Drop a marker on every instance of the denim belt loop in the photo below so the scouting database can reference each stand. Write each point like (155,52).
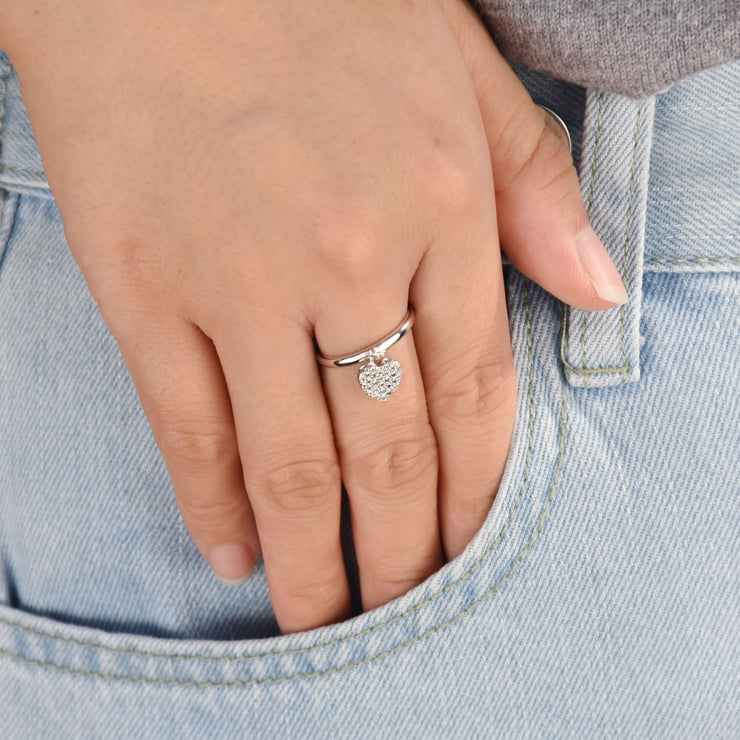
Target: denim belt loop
(602,348)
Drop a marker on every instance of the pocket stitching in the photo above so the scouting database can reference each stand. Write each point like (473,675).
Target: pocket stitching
(679,260)
(2,112)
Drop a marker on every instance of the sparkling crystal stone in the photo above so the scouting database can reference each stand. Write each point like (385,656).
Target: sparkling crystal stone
(379,380)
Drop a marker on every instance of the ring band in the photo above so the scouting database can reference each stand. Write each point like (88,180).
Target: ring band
(561,123)
(373,350)
(380,376)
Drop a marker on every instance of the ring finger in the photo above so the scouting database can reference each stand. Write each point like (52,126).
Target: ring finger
(387,454)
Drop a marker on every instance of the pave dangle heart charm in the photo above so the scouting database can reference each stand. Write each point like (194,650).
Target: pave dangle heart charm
(380,377)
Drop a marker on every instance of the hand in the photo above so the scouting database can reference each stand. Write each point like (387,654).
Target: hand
(237,179)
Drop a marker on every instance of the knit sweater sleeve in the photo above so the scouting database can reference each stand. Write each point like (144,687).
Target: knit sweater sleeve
(634,47)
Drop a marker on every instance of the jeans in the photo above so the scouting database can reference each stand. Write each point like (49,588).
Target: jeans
(600,598)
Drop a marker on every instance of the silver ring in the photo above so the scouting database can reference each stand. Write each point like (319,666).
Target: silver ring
(380,376)
(560,122)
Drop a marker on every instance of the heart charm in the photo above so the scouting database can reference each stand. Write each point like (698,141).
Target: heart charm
(380,380)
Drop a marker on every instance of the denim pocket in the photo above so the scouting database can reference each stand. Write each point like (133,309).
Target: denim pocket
(435,611)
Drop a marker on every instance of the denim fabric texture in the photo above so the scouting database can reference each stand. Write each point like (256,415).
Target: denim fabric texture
(601,598)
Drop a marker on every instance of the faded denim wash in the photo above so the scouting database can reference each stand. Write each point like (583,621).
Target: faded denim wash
(600,599)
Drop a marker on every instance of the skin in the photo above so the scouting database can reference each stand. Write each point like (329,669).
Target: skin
(237,179)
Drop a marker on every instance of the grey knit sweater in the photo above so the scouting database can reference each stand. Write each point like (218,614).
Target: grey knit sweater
(635,47)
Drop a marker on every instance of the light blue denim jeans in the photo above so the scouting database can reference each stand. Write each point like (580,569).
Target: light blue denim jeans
(600,599)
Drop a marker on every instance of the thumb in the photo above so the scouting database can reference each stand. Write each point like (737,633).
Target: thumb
(543,225)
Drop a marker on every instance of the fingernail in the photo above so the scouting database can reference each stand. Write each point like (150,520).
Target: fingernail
(232,563)
(600,268)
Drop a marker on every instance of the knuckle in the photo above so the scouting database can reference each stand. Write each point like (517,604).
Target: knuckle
(524,156)
(482,391)
(398,467)
(195,448)
(398,580)
(127,281)
(212,516)
(473,509)
(349,240)
(309,595)
(130,264)
(532,146)
(314,602)
(300,485)
(517,132)
(454,181)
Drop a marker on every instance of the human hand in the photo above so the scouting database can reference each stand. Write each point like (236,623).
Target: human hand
(236,180)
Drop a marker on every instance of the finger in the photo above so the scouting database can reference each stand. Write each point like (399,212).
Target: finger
(290,468)
(464,350)
(183,393)
(387,453)
(543,224)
